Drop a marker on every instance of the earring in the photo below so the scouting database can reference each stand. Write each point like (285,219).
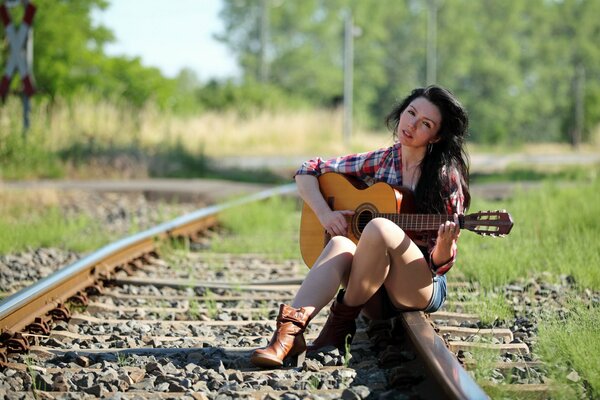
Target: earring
(429,148)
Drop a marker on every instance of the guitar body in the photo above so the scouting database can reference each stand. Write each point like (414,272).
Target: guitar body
(343,193)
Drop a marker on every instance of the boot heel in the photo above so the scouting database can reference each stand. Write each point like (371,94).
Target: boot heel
(298,359)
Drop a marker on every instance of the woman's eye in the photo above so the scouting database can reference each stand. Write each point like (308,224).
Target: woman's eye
(411,112)
(427,124)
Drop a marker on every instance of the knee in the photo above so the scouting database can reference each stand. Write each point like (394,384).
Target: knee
(379,229)
(341,244)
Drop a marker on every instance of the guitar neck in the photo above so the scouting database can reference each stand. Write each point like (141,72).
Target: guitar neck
(418,222)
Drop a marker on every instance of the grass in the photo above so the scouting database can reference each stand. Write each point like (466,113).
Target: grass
(555,231)
(174,252)
(89,138)
(33,374)
(496,308)
(34,219)
(269,227)
(555,236)
(571,341)
(194,309)
(211,304)
(524,173)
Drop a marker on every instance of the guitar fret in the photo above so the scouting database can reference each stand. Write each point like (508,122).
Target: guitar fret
(416,222)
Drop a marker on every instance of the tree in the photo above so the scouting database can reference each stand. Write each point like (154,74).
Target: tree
(69,58)
(526,69)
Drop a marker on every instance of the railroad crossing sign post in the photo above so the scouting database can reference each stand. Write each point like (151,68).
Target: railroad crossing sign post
(20,40)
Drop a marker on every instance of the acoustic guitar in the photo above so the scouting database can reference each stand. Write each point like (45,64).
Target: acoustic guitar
(386,201)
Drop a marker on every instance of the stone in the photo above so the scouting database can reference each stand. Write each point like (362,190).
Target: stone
(97,390)
(85,381)
(311,365)
(236,376)
(136,375)
(43,382)
(573,376)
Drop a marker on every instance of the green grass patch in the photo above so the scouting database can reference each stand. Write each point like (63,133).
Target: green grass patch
(570,343)
(35,218)
(27,156)
(28,225)
(269,227)
(522,173)
(556,230)
(174,251)
(555,235)
(496,308)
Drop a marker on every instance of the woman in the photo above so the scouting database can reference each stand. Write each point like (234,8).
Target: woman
(386,272)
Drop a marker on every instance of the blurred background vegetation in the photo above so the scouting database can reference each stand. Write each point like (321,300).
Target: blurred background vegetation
(527,70)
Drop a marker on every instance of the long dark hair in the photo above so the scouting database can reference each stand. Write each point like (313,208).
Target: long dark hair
(447,153)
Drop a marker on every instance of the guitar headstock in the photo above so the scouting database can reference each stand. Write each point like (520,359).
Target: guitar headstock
(488,223)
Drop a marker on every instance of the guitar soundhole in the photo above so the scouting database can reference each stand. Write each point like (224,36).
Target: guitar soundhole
(362,216)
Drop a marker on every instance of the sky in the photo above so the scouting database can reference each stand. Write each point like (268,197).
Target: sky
(170,35)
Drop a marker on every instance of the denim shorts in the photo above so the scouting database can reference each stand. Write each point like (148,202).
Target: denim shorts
(439,294)
(435,303)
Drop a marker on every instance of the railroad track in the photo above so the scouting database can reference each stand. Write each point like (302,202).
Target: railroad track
(125,321)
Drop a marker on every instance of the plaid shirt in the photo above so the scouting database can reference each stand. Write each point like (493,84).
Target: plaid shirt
(385,165)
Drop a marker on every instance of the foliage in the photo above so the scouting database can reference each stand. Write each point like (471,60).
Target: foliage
(245,98)
(513,63)
(23,157)
(522,68)
(69,58)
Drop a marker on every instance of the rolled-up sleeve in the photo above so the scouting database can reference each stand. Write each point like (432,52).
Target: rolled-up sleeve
(360,165)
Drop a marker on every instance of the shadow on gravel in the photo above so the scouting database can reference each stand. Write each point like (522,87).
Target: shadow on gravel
(382,365)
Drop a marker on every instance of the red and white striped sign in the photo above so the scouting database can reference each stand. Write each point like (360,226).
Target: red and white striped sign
(17,40)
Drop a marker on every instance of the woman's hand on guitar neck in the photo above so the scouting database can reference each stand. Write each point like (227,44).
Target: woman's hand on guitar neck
(335,222)
(447,236)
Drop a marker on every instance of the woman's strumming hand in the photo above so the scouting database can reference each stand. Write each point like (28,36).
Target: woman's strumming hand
(335,222)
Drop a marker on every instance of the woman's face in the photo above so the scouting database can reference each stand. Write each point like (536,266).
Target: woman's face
(419,123)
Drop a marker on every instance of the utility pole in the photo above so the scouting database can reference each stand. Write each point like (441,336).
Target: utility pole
(264,41)
(432,42)
(579,106)
(348,75)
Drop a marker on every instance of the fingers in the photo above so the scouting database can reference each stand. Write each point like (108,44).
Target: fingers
(450,229)
(336,229)
(338,225)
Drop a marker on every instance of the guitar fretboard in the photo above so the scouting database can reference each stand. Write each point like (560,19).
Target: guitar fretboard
(417,222)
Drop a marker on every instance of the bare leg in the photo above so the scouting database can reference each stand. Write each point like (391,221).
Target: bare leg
(386,256)
(329,271)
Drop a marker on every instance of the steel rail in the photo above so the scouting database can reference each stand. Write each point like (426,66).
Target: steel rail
(454,379)
(20,309)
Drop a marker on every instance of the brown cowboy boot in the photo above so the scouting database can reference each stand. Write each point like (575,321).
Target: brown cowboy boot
(340,323)
(288,339)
